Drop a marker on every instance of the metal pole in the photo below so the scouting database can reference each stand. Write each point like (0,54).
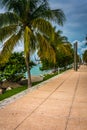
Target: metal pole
(75,56)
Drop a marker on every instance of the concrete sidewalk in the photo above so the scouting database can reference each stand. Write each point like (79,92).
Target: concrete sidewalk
(59,104)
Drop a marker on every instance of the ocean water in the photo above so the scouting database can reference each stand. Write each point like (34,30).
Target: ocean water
(36,71)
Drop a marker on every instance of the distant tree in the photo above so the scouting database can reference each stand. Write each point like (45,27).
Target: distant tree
(15,68)
(85,56)
(65,55)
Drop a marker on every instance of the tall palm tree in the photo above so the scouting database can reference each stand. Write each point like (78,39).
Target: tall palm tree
(29,21)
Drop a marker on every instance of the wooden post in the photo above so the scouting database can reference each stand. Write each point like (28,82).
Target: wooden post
(75,56)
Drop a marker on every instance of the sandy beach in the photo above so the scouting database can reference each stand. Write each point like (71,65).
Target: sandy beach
(36,78)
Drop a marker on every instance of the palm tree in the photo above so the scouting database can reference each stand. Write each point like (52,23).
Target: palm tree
(62,49)
(28,21)
(56,41)
(85,57)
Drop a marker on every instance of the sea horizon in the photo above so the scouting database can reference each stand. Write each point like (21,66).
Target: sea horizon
(35,71)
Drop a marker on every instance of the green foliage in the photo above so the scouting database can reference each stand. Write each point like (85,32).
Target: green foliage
(63,58)
(46,64)
(23,20)
(48,76)
(64,53)
(15,68)
(85,56)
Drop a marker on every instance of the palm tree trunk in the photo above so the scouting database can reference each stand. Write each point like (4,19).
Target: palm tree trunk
(28,71)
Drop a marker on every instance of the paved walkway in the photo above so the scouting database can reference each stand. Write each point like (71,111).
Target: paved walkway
(59,104)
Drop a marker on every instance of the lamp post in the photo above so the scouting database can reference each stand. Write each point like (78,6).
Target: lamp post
(75,56)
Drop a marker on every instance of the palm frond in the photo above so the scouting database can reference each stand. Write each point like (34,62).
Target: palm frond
(8,18)
(64,50)
(9,46)
(43,26)
(7,31)
(58,16)
(58,39)
(33,5)
(19,7)
(45,49)
(39,11)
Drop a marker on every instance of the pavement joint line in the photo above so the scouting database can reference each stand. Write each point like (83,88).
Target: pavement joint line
(42,102)
(76,87)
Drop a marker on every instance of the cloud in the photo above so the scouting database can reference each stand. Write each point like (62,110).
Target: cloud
(81,46)
(76,15)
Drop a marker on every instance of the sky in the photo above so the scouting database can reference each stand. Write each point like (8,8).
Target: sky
(76,17)
(75,27)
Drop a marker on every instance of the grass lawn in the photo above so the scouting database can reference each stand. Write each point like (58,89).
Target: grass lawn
(12,92)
